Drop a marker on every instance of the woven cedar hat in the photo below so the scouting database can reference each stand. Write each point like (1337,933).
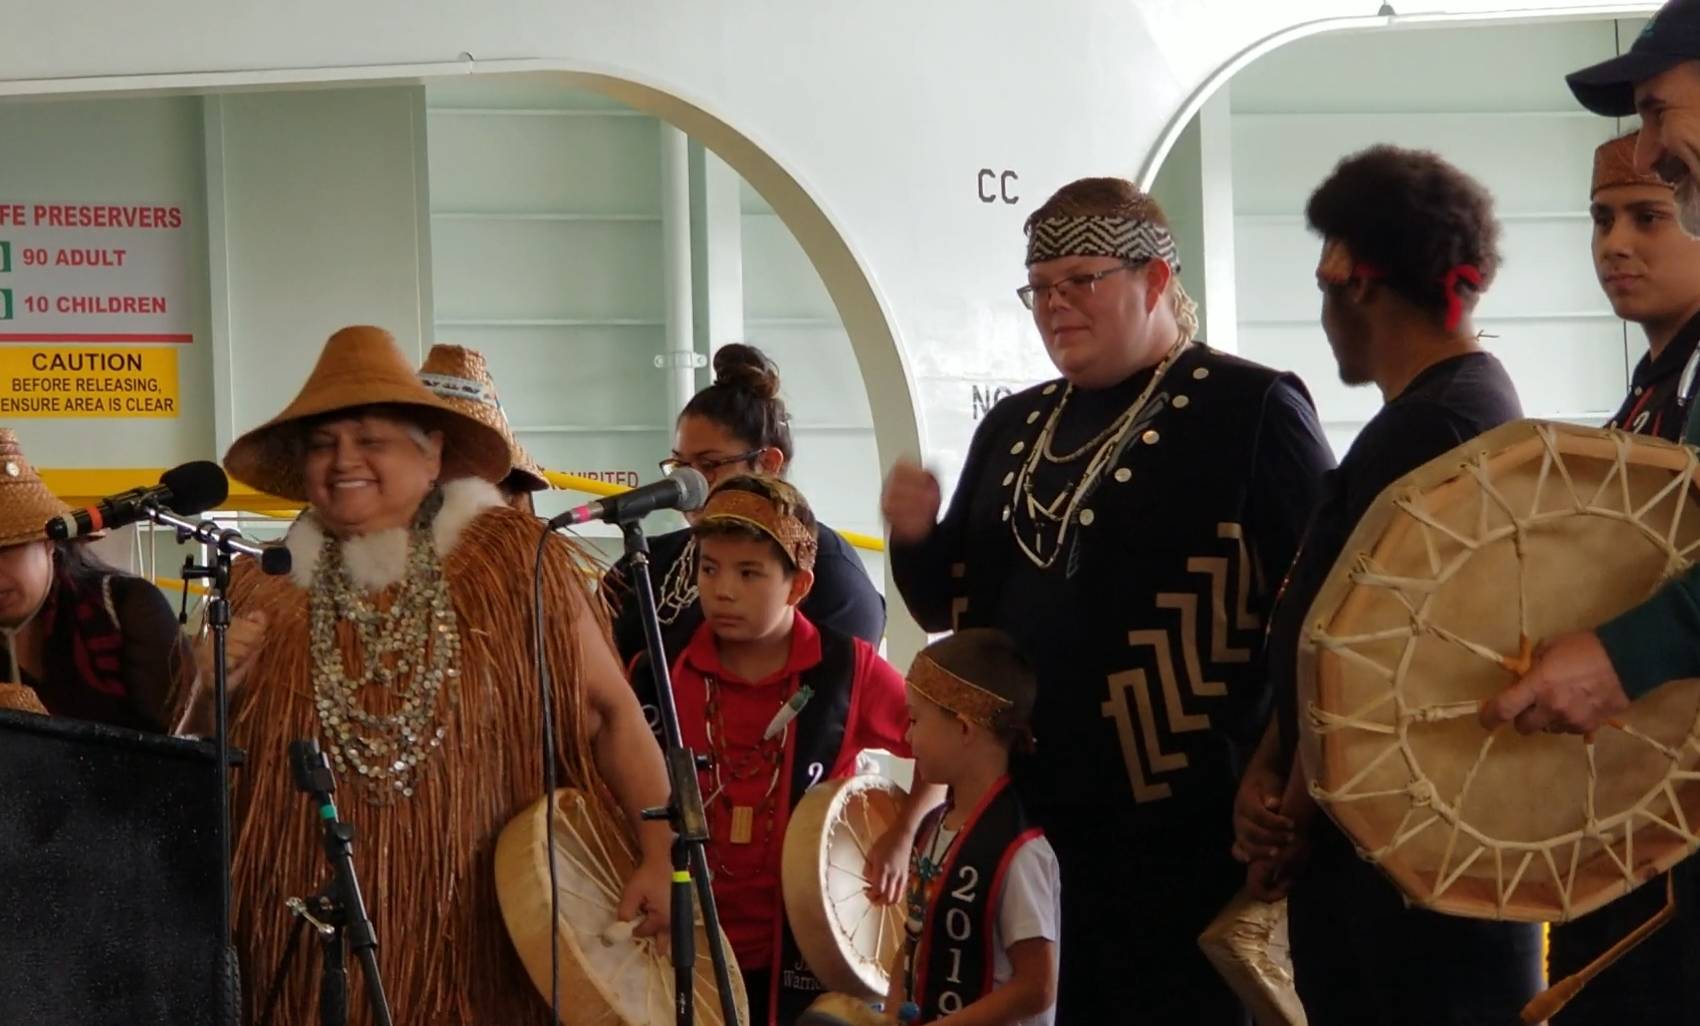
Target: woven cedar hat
(1614,164)
(25,503)
(460,377)
(361,366)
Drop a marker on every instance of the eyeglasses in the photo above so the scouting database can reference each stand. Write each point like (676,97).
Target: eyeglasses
(706,465)
(1033,295)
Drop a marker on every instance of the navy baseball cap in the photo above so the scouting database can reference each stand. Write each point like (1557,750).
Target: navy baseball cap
(1671,37)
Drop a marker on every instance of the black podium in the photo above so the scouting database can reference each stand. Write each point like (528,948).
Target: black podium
(109,877)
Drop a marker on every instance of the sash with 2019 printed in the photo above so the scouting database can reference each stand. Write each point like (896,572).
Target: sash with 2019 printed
(951,961)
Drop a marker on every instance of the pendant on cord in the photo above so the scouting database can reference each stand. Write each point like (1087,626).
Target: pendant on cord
(743,824)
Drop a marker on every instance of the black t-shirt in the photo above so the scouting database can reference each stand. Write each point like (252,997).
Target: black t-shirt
(843,598)
(1445,406)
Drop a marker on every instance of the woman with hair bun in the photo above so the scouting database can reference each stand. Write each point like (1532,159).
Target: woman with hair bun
(738,425)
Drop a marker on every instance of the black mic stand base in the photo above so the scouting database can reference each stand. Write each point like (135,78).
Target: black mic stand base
(341,918)
(685,812)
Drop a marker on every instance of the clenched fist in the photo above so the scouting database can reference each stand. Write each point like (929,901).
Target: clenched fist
(910,503)
(241,642)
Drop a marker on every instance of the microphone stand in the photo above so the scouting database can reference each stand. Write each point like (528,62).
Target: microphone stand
(684,810)
(224,543)
(340,914)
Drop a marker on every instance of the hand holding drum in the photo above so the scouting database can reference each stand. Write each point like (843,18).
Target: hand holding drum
(848,937)
(614,977)
(1533,530)
(1571,687)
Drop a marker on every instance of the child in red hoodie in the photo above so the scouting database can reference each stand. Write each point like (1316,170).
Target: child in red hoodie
(778,705)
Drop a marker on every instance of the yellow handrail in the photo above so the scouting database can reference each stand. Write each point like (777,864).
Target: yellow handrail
(177,584)
(588,485)
(87,487)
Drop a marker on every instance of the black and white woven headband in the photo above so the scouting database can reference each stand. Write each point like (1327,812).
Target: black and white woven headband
(1124,238)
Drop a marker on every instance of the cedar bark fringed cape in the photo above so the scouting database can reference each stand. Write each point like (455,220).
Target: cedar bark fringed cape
(426,863)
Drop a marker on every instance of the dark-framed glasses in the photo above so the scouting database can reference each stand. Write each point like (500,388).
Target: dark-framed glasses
(707,465)
(1033,295)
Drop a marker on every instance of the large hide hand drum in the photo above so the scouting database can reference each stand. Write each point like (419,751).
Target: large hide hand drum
(620,982)
(1529,531)
(847,938)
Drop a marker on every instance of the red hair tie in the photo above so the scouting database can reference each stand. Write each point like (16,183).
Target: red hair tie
(1449,284)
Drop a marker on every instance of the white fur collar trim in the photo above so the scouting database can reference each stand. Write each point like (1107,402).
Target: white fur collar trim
(376,561)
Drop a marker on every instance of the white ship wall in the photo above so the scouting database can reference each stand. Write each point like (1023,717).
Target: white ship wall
(901,143)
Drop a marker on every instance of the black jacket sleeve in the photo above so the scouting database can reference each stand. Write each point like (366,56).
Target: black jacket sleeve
(923,570)
(1292,455)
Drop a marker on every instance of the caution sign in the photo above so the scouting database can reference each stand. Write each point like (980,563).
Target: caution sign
(81,382)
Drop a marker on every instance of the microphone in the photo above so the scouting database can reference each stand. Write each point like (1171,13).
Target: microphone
(312,771)
(685,489)
(189,489)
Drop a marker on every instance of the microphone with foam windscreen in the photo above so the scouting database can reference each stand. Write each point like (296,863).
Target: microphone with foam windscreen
(187,490)
(684,489)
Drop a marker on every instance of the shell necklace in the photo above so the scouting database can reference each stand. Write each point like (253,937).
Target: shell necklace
(1026,512)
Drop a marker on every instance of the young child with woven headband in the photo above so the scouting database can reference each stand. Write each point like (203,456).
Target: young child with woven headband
(982,877)
(764,508)
(778,705)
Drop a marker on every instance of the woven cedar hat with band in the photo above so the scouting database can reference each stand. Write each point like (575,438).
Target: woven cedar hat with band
(1614,165)
(461,377)
(25,503)
(361,366)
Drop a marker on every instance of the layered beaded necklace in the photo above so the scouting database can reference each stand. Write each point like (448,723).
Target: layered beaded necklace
(410,648)
(679,587)
(1027,514)
(767,757)
(928,865)
(924,870)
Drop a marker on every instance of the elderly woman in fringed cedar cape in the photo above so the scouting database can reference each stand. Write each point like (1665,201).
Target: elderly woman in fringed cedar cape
(400,641)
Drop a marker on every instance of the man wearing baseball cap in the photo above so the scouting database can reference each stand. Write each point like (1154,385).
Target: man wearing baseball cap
(1581,680)
(1658,78)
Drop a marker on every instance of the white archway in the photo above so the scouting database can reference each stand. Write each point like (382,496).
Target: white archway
(1239,61)
(870,328)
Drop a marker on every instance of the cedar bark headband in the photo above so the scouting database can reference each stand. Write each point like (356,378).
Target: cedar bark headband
(962,697)
(752,510)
